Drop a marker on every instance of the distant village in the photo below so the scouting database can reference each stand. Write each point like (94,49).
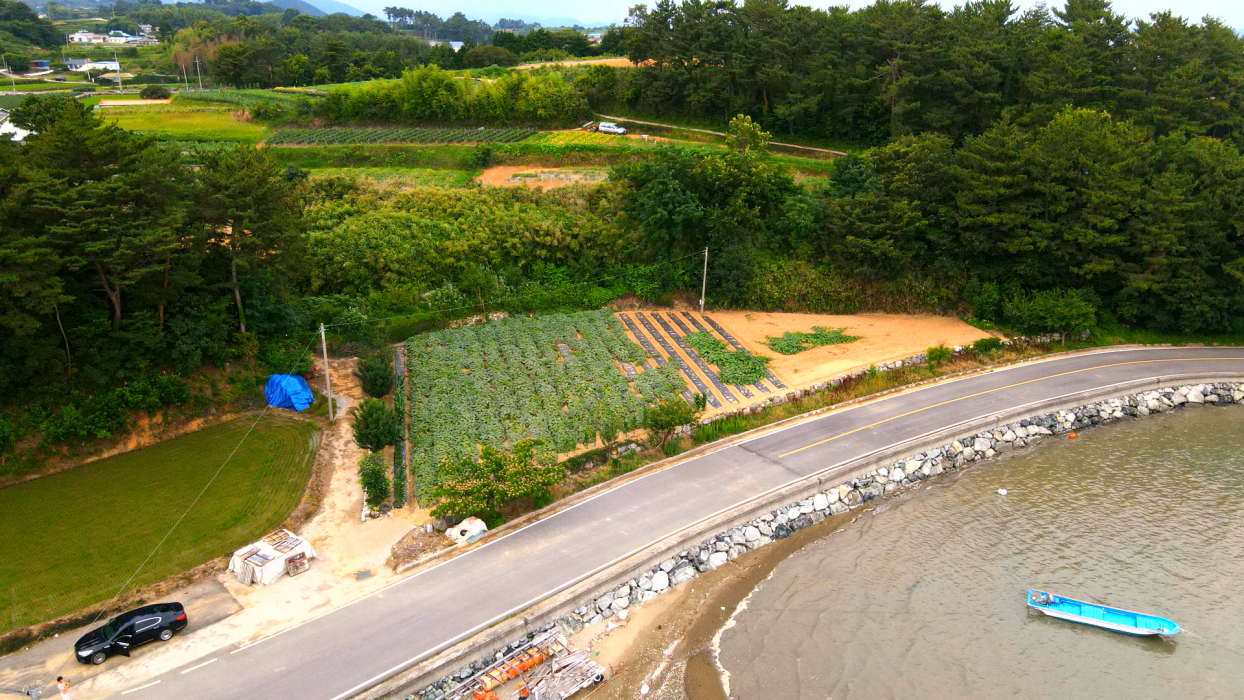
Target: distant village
(115,37)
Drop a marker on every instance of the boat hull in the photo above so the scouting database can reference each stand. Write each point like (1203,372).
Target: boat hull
(1101,616)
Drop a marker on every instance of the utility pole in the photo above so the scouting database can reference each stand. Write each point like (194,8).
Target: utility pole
(183,76)
(704,281)
(117,62)
(328,387)
(197,73)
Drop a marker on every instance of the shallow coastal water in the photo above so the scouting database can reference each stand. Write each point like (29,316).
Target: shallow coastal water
(924,597)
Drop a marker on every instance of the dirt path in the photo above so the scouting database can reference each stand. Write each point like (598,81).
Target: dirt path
(720,133)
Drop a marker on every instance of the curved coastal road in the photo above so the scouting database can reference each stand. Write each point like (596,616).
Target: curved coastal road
(357,646)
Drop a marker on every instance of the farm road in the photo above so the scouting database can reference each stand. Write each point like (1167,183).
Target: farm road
(354,647)
(719,133)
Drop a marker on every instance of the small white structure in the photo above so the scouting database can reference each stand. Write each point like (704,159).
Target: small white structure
(266,560)
(84,37)
(94,65)
(466,531)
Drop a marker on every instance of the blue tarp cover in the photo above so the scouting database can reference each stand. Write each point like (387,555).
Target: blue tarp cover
(288,391)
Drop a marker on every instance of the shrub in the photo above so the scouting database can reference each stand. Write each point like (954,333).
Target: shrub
(662,418)
(155,92)
(483,487)
(8,436)
(265,111)
(938,355)
(984,345)
(792,342)
(736,367)
(376,376)
(984,299)
(375,426)
(374,478)
(484,56)
(1051,311)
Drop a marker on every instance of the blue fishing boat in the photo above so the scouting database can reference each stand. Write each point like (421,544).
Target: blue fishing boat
(1113,619)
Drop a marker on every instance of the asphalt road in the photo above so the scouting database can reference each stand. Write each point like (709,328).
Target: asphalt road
(349,649)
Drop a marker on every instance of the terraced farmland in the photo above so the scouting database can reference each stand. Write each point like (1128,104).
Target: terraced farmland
(330,136)
(562,378)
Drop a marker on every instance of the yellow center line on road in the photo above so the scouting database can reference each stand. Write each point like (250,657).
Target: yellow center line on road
(1008,386)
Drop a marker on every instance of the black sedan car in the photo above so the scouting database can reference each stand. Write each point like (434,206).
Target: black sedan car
(126,631)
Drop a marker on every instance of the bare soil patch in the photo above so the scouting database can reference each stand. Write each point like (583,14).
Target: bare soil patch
(533,177)
(885,338)
(615,62)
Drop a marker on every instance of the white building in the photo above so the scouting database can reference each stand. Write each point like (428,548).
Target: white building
(83,66)
(84,37)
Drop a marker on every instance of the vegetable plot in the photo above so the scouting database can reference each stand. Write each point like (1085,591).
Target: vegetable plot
(735,367)
(793,342)
(554,378)
(327,136)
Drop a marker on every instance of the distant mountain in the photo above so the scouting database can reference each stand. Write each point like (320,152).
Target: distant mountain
(302,6)
(333,7)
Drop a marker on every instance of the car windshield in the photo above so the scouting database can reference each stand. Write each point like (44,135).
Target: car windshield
(110,628)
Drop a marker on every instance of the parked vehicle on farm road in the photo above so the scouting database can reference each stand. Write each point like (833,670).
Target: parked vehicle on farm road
(610,128)
(128,630)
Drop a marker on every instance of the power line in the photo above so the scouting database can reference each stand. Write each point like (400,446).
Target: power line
(190,507)
(499,300)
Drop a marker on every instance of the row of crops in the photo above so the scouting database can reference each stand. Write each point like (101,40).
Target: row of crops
(329,136)
(497,383)
(241,98)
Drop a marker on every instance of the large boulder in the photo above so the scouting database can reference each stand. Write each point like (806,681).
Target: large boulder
(682,574)
(660,581)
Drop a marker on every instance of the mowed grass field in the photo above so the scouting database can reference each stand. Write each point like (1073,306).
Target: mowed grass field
(191,126)
(71,539)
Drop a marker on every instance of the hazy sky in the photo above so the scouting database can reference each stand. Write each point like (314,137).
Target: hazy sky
(607,11)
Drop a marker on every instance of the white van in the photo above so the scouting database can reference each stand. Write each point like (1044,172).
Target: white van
(610,128)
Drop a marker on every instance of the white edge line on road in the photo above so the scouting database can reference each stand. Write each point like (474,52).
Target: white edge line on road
(141,687)
(503,616)
(205,663)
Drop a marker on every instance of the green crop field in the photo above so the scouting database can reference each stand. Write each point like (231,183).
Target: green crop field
(332,136)
(500,382)
(240,98)
(71,539)
(434,177)
(170,123)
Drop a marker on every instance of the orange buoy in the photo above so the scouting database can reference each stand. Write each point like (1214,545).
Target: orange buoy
(1071,436)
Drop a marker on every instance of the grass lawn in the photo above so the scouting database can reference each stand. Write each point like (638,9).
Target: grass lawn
(71,539)
(202,126)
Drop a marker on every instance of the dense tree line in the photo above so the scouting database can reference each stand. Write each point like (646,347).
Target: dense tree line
(1102,214)
(427,25)
(120,264)
(899,67)
(296,49)
(24,25)
(431,95)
